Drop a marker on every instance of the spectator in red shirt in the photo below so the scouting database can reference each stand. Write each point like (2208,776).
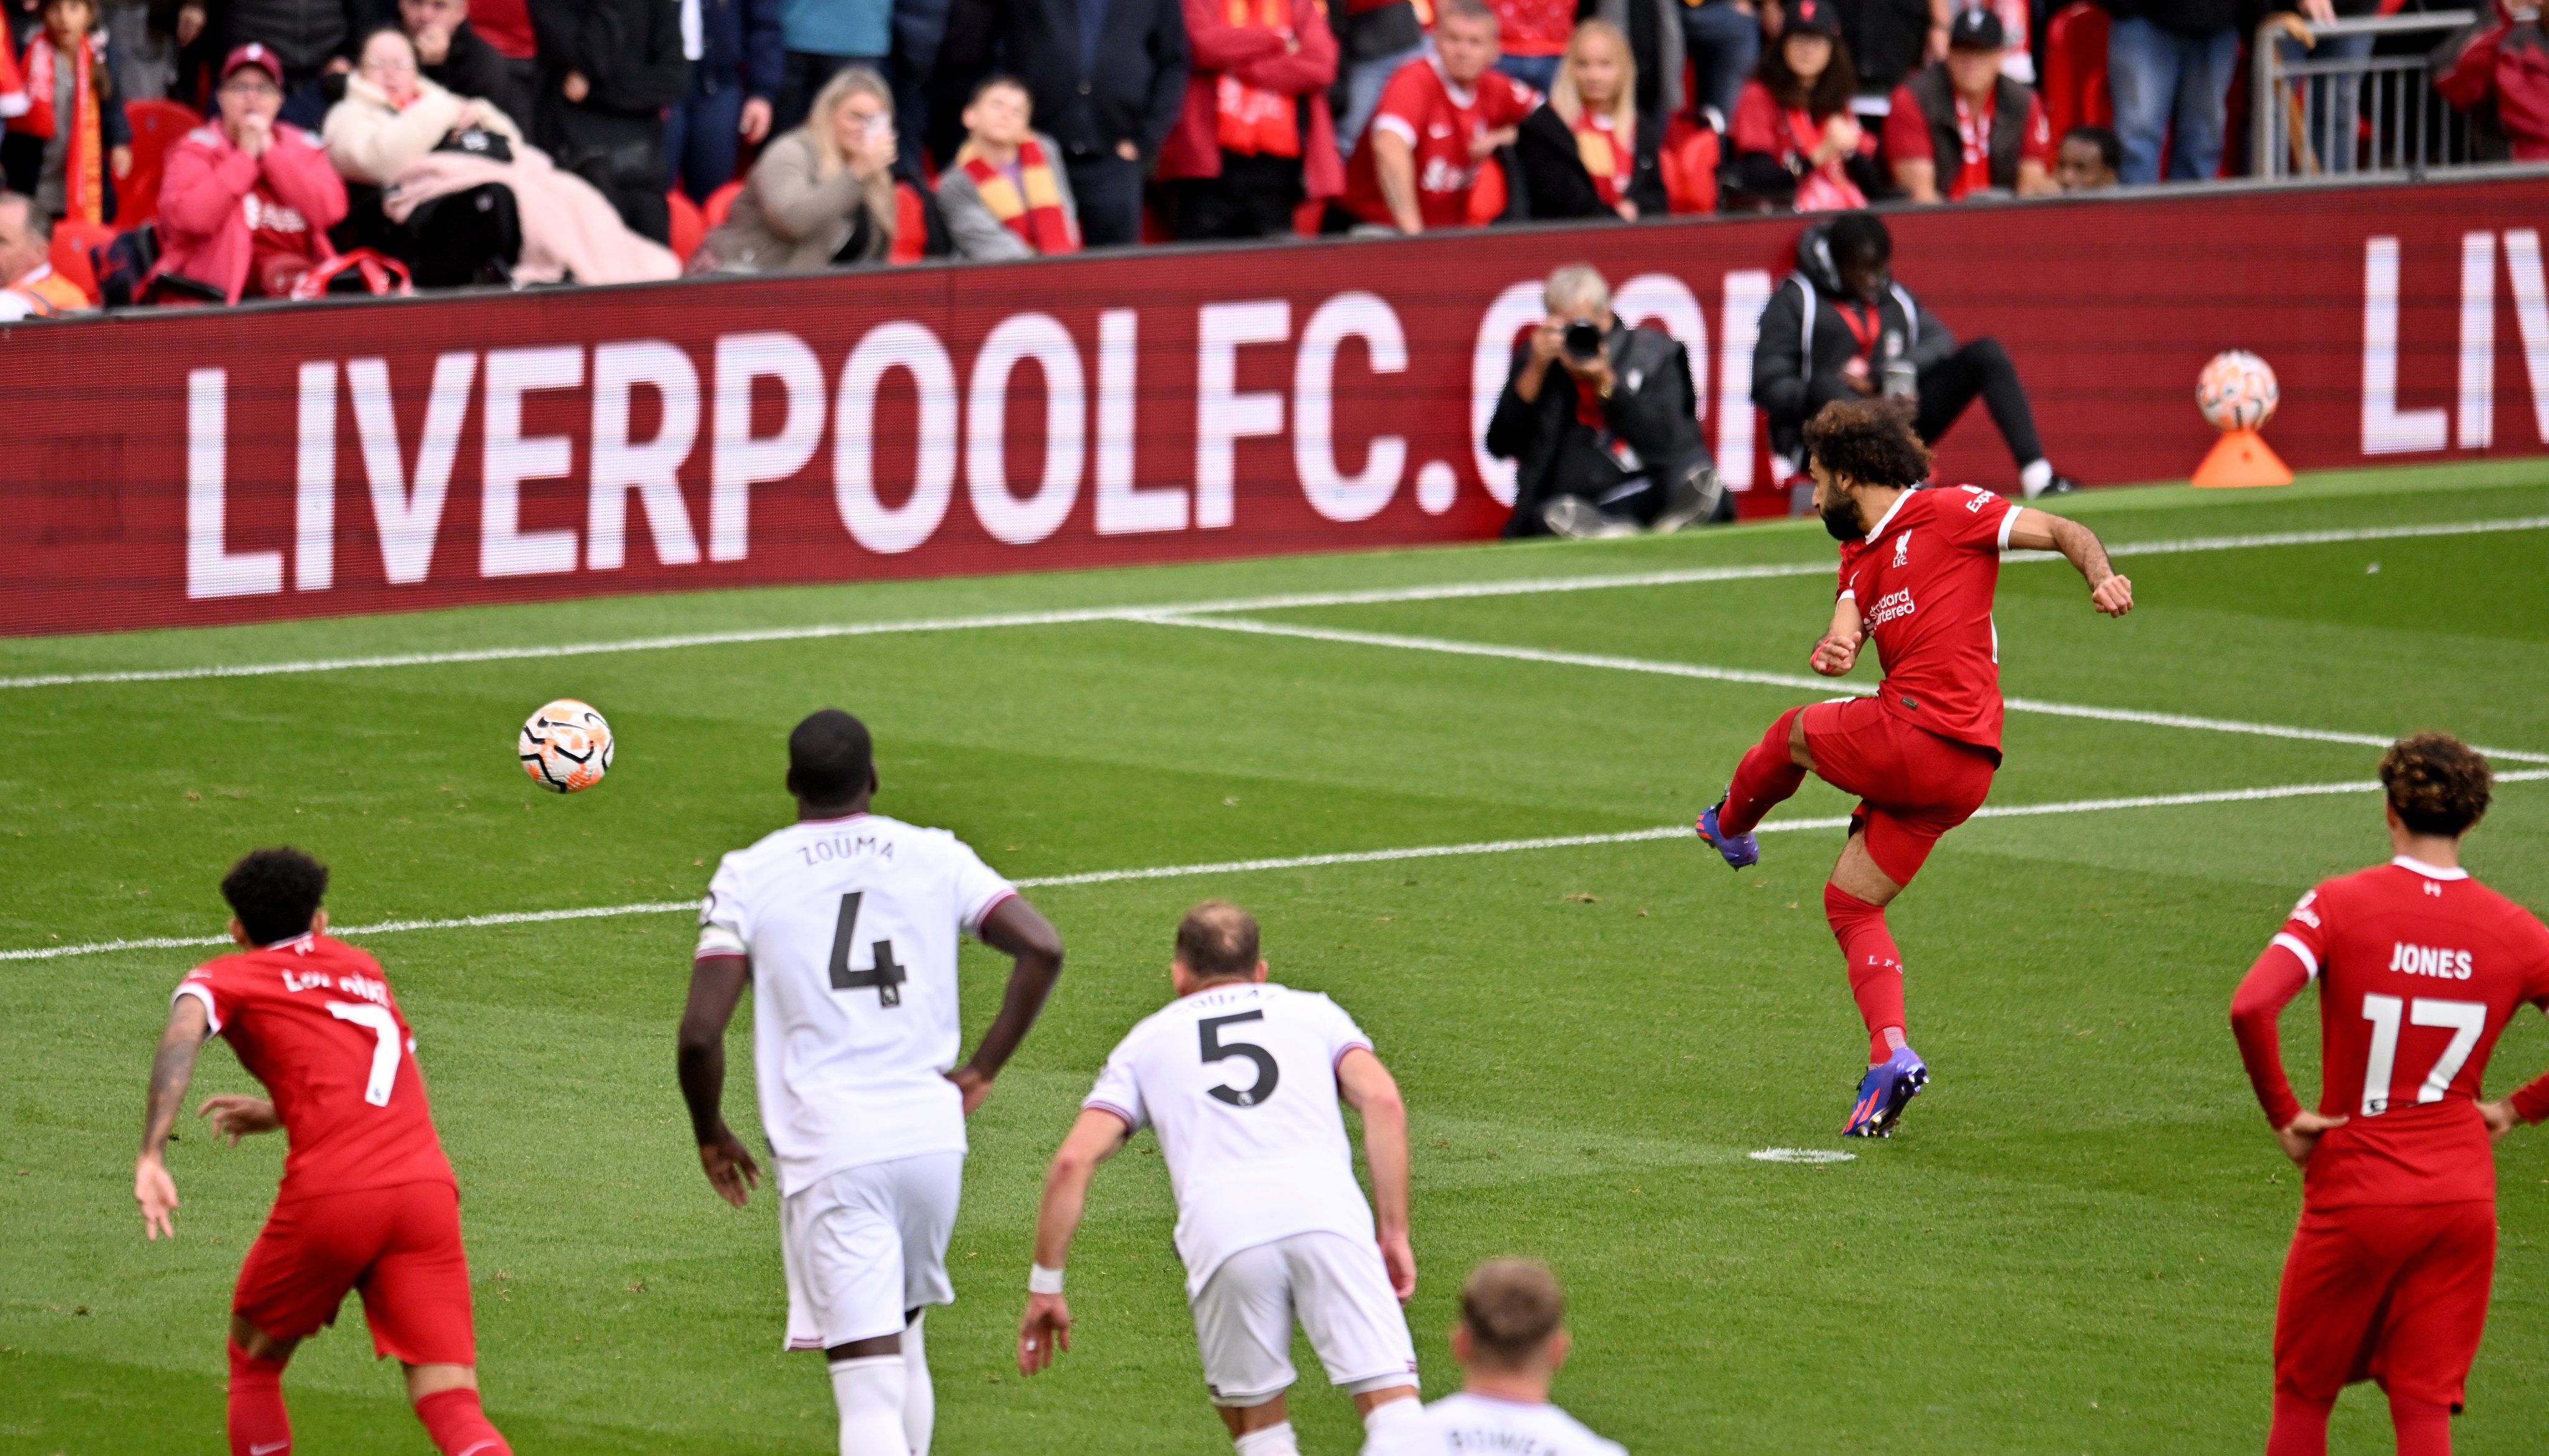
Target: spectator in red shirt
(1963,126)
(1794,136)
(507,26)
(245,203)
(1532,38)
(1255,138)
(1439,119)
(2505,63)
(1589,152)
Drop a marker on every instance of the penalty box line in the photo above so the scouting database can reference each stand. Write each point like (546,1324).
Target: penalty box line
(1824,687)
(1294,861)
(1439,592)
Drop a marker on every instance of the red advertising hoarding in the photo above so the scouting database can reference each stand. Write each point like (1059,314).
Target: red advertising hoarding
(1163,405)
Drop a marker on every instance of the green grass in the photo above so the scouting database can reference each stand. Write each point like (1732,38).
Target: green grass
(2072,1248)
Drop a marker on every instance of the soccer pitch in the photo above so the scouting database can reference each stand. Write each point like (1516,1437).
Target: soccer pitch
(2073,1244)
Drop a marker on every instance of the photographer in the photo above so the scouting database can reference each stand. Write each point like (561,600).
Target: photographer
(1602,422)
(1841,328)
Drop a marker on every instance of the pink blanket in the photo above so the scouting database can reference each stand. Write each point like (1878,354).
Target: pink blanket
(568,228)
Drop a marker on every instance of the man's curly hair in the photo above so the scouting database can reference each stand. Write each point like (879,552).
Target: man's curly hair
(1870,441)
(2437,784)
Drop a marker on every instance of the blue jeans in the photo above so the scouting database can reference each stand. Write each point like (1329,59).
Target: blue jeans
(2160,78)
(699,135)
(1725,43)
(1365,82)
(2332,104)
(1539,72)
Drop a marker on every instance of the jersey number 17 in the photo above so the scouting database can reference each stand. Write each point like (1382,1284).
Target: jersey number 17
(2467,1019)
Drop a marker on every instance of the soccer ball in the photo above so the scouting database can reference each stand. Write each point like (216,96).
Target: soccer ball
(566,746)
(2236,390)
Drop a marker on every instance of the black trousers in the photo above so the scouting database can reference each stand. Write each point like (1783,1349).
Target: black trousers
(1583,467)
(1980,367)
(1107,191)
(1254,197)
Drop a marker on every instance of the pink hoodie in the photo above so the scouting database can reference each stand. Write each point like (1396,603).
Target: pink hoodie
(204,231)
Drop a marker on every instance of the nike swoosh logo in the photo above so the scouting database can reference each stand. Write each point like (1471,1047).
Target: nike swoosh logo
(269,1448)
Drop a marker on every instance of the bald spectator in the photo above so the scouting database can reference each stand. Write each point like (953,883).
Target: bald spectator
(2088,159)
(29,285)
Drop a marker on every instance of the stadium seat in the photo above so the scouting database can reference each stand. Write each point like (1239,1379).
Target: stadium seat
(720,203)
(2075,69)
(688,226)
(71,254)
(157,126)
(1690,157)
(1488,197)
(910,226)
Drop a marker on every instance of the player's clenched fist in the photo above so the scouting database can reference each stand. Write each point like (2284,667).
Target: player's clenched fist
(1835,654)
(1046,1327)
(2114,595)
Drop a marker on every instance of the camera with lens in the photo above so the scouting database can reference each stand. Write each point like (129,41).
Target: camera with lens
(1583,340)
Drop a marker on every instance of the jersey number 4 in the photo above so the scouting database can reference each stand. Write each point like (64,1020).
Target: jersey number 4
(2467,1019)
(881,973)
(1216,1049)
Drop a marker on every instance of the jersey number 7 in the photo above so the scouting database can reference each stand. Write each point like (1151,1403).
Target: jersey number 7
(1208,1030)
(881,973)
(2467,1019)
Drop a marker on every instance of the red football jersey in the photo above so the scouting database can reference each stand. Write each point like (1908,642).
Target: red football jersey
(2418,970)
(1924,581)
(1437,120)
(314,1020)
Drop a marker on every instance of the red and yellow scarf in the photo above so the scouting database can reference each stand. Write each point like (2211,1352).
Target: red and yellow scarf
(1257,122)
(1035,216)
(84,156)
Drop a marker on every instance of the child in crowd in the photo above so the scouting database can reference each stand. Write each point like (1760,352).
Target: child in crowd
(69,144)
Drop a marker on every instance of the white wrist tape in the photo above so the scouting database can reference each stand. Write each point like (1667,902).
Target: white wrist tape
(1041,1280)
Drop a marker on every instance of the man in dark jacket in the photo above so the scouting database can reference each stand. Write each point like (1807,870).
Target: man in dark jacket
(1601,422)
(313,38)
(1109,79)
(2169,64)
(734,86)
(608,71)
(454,55)
(1961,128)
(1842,329)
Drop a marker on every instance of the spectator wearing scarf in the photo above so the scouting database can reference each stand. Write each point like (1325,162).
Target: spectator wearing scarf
(1255,138)
(1589,151)
(71,141)
(1004,197)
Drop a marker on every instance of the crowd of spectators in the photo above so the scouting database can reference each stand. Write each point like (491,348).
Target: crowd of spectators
(447,143)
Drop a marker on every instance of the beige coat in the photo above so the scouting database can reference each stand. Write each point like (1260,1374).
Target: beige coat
(788,219)
(370,141)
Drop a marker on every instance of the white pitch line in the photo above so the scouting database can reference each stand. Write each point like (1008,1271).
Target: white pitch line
(1440,591)
(1826,686)
(1298,862)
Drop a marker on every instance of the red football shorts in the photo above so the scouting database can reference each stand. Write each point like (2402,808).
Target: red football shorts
(2396,1294)
(399,1247)
(1913,785)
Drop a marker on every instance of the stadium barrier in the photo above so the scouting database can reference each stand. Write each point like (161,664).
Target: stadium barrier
(217,466)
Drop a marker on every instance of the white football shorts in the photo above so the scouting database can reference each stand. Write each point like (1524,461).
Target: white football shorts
(1339,1290)
(866,1245)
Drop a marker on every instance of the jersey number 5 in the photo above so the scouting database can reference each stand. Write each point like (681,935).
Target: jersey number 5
(2466,1019)
(1217,1049)
(385,1044)
(881,973)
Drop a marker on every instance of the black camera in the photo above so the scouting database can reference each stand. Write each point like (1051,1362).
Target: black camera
(1583,340)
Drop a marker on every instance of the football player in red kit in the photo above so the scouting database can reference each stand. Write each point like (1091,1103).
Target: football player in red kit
(1917,570)
(2418,968)
(368,1202)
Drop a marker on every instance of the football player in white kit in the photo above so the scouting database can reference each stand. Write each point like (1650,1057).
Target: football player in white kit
(1242,1079)
(1510,1341)
(845,925)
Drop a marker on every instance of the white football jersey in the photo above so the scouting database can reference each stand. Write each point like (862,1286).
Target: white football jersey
(1241,1082)
(1463,1424)
(850,925)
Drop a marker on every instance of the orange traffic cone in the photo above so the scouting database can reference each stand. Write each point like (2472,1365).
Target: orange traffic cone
(2241,458)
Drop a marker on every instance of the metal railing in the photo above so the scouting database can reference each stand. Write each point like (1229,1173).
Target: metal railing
(2375,112)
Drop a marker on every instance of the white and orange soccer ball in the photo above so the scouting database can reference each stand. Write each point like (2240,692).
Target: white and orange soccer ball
(2236,390)
(566,746)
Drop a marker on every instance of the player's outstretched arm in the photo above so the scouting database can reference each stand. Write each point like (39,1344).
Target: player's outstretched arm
(1019,931)
(1046,1326)
(1838,651)
(717,986)
(172,1067)
(1368,1088)
(2037,530)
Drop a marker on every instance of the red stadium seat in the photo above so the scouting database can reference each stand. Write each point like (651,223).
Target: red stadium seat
(70,253)
(1488,197)
(1690,157)
(157,126)
(910,226)
(720,203)
(2075,69)
(688,226)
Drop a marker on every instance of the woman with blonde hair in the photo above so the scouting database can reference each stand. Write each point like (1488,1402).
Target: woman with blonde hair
(822,195)
(1587,151)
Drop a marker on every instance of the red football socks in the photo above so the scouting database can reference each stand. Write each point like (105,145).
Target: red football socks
(1876,968)
(2301,1426)
(458,1425)
(1764,777)
(259,1423)
(2424,1428)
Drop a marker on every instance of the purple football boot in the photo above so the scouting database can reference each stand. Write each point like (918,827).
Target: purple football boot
(1740,850)
(1883,1091)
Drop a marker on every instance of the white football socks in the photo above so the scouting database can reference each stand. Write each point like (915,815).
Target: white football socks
(870,1391)
(2035,475)
(1380,1418)
(1270,1440)
(919,1398)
